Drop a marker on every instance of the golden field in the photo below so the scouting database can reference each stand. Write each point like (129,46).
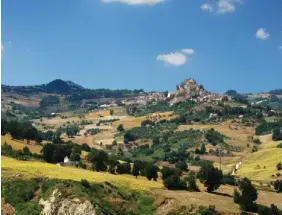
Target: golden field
(33,169)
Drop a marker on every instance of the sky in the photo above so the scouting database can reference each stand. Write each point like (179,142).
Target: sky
(144,44)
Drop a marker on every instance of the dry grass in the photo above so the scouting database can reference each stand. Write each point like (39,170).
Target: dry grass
(96,114)
(19,144)
(57,121)
(31,169)
(131,122)
(261,165)
(222,198)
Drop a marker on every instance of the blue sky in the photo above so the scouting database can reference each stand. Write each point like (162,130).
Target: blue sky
(149,44)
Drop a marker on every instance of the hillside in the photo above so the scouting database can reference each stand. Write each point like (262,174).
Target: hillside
(106,151)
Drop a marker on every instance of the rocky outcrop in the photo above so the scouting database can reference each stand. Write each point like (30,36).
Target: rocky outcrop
(56,204)
(188,89)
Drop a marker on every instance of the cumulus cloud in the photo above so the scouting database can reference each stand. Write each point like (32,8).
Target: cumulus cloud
(262,34)
(188,51)
(135,2)
(221,6)
(226,6)
(207,7)
(177,59)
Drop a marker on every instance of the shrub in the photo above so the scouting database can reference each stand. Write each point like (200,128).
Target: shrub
(236,196)
(210,176)
(248,195)
(191,180)
(123,168)
(182,166)
(85,183)
(174,182)
(278,186)
(120,128)
(279,166)
(152,172)
(28,208)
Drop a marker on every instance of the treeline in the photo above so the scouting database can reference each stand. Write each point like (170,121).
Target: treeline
(77,96)
(20,130)
(55,153)
(268,127)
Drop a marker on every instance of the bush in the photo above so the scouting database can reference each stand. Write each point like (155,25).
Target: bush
(174,182)
(278,186)
(123,168)
(229,179)
(279,166)
(214,137)
(151,172)
(248,195)
(85,183)
(182,166)
(210,176)
(257,141)
(18,191)
(273,210)
(236,196)
(120,128)
(191,180)
(28,208)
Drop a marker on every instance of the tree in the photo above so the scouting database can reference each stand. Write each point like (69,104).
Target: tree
(85,183)
(273,210)
(113,162)
(203,149)
(210,176)
(112,112)
(279,166)
(136,169)
(123,168)
(278,186)
(47,152)
(248,195)
(75,157)
(26,150)
(191,180)
(167,172)
(236,196)
(152,172)
(173,182)
(182,166)
(120,128)
(99,159)
(85,147)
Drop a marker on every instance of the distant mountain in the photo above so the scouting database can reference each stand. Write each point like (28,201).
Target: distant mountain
(60,86)
(57,86)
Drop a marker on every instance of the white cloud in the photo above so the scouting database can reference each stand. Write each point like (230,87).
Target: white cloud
(207,7)
(188,51)
(280,47)
(262,34)
(2,47)
(226,6)
(221,6)
(135,2)
(174,58)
